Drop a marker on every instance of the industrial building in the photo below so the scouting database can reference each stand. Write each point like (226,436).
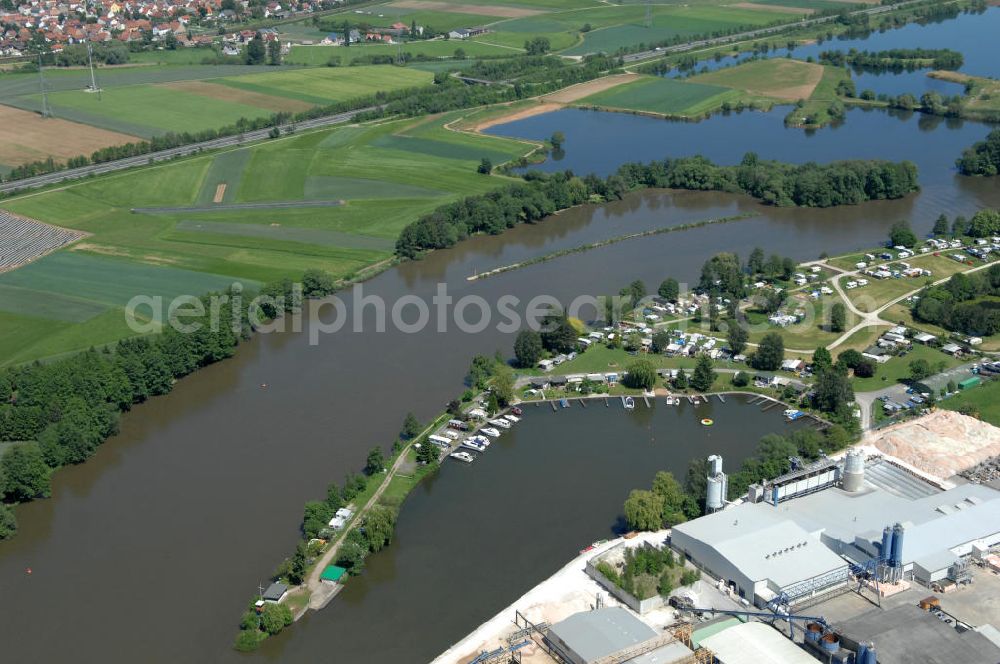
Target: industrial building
(802,533)
(755,643)
(595,636)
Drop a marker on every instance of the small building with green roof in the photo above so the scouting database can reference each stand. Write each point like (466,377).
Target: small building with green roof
(332,573)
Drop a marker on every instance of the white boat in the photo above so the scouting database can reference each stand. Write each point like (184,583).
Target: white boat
(512,418)
(500,422)
(473,444)
(629,403)
(671,401)
(462,456)
(491,432)
(481,440)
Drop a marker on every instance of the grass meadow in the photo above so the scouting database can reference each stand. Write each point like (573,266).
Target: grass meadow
(326,85)
(654,94)
(387,174)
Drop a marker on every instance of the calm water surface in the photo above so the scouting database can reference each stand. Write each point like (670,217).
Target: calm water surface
(974,35)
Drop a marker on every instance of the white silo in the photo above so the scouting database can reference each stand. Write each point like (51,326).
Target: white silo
(717,486)
(854,471)
(713,495)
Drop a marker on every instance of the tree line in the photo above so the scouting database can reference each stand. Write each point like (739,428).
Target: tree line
(894,60)
(964,303)
(774,183)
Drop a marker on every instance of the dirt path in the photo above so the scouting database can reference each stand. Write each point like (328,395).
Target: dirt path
(557,100)
(320,592)
(531,111)
(581,90)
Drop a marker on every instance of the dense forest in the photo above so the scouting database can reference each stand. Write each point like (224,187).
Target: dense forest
(774,183)
(894,60)
(983,158)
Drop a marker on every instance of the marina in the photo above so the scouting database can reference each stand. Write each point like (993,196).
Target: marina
(551,453)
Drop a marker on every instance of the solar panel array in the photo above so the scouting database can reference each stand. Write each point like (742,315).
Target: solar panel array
(22,240)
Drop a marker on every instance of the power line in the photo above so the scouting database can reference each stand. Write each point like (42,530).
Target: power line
(46,111)
(93,77)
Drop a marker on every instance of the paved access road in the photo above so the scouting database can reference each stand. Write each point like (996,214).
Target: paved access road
(163,155)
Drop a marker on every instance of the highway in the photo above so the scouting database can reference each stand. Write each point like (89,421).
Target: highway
(163,155)
(754,34)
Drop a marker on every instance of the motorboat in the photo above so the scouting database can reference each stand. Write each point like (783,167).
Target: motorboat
(462,456)
(517,411)
(473,444)
(512,418)
(480,440)
(500,422)
(629,403)
(491,432)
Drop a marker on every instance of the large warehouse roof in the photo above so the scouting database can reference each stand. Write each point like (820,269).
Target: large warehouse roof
(763,544)
(934,523)
(596,634)
(755,643)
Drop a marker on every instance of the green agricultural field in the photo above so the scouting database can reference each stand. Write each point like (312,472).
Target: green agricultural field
(226,169)
(327,85)
(321,55)
(777,78)
(149,110)
(179,56)
(669,22)
(387,174)
(15,88)
(655,94)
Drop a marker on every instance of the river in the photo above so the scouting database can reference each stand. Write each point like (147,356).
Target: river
(149,551)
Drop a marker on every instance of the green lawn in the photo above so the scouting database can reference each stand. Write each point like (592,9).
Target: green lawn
(387,173)
(654,94)
(878,292)
(807,335)
(326,85)
(898,368)
(984,400)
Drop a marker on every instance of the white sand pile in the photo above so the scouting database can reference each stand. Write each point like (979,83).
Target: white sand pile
(942,443)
